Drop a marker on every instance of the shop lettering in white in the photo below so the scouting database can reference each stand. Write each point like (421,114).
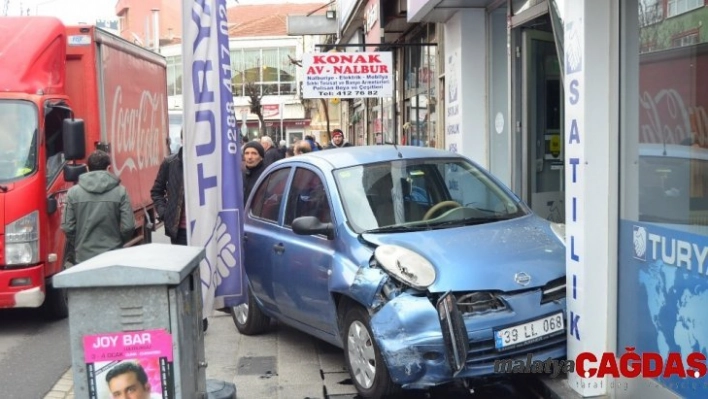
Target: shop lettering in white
(678,253)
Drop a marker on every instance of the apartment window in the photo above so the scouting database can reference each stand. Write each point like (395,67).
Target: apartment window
(677,7)
(174,75)
(269,69)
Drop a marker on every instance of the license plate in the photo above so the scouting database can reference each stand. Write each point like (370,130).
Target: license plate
(528,332)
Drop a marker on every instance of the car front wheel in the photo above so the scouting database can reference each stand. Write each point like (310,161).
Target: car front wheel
(363,358)
(249,318)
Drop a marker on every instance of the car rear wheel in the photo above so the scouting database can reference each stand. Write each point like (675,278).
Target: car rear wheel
(249,318)
(363,358)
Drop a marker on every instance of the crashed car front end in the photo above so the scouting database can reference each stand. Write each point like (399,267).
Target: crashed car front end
(429,339)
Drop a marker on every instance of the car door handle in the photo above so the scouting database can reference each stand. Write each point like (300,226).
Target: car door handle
(279,248)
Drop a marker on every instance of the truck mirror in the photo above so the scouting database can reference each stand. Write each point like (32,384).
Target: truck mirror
(52,205)
(74,139)
(73,171)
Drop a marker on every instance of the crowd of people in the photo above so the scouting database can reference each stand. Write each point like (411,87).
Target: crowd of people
(259,153)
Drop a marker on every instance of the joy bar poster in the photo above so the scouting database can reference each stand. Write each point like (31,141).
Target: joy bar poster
(129,364)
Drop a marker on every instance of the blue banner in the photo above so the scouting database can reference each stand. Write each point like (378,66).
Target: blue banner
(663,296)
(212,157)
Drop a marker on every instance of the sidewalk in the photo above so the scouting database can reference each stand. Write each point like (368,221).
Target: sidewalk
(282,363)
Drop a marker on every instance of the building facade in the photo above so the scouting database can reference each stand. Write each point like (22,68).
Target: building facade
(265,66)
(594,112)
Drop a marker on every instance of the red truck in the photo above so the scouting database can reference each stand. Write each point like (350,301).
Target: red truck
(65,91)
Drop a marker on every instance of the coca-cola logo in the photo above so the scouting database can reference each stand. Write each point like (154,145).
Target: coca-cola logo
(667,118)
(135,132)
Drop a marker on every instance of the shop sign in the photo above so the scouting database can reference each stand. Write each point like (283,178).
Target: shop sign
(348,75)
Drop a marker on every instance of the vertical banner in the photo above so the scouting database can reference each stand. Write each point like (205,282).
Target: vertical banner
(212,158)
(578,329)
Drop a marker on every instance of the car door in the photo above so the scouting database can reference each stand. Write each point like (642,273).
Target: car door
(261,253)
(302,286)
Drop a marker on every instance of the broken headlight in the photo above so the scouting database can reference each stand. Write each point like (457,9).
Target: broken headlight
(406,266)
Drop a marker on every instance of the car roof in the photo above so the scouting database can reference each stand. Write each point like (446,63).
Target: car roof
(357,155)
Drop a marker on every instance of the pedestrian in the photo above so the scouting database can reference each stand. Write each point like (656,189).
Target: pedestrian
(283,149)
(253,154)
(271,153)
(337,140)
(168,196)
(98,216)
(314,145)
(301,147)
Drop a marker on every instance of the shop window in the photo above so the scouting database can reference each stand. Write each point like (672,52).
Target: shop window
(663,234)
(270,70)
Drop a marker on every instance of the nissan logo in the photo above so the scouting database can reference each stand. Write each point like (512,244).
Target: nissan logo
(522,279)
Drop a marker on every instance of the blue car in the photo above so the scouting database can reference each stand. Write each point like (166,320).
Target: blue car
(417,262)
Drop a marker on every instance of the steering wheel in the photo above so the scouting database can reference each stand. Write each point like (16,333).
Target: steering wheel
(440,205)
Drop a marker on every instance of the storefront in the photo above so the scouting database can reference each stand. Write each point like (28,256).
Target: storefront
(594,112)
(663,230)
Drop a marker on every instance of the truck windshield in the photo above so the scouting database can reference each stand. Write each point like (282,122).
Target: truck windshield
(18,139)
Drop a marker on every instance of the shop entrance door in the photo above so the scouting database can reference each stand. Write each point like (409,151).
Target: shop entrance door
(543,177)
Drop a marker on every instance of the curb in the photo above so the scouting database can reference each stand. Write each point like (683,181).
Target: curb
(64,387)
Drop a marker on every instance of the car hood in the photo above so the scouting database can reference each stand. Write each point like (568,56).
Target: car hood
(487,256)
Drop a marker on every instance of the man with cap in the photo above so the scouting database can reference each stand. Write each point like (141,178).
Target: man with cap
(337,140)
(253,154)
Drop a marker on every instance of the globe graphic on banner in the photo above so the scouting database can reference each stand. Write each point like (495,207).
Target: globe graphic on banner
(677,301)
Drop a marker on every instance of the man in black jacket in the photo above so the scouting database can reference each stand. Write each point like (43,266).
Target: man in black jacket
(168,195)
(271,153)
(253,154)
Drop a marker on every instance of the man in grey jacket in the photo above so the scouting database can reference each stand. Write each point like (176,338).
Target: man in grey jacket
(98,216)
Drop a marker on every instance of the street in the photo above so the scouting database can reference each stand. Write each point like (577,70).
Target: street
(33,353)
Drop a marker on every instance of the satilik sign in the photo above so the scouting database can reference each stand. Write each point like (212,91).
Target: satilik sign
(348,75)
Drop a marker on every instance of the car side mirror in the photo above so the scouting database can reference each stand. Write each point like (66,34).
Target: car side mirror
(310,225)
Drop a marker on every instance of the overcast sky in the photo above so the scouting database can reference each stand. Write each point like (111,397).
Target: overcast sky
(87,11)
(69,11)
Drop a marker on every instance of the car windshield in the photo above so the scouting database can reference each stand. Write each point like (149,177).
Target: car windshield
(18,139)
(417,194)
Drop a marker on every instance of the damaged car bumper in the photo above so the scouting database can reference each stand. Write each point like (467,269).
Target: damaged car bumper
(418,353)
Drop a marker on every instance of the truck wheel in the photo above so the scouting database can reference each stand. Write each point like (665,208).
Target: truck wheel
(56,302)
(249,318)
(363,357)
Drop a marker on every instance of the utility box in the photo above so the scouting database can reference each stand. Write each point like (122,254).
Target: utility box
(136,313)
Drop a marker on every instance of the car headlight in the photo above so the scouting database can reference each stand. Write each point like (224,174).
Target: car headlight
(405,265)
(22,240)
(559,230)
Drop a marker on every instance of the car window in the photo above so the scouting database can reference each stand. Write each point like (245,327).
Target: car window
(307,197)
(269,195)
(422,193)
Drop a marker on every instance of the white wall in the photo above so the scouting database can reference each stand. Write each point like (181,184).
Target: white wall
(466,87)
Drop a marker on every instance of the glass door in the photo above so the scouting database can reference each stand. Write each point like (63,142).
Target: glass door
(542,125)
